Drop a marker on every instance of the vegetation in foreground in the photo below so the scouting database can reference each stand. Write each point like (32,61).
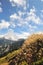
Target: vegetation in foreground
(31,53)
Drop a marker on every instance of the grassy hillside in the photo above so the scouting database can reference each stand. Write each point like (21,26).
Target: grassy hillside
(31,53)
(9,57)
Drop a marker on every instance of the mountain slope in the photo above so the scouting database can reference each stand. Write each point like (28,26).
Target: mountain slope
(7,46)
(30,53)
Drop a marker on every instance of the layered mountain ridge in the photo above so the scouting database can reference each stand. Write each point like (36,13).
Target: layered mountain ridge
(7,46)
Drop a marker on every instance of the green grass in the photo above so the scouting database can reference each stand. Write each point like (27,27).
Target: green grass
(9,56)
(39,62)
(23,63)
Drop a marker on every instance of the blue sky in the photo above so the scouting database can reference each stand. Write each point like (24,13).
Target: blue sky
(20,18)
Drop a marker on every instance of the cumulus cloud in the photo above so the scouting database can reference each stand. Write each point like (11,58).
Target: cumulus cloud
(4,24)
(32,28)
(23,35)
(19,16)
(21,21)
(15,36)
(1,10)
(18,3)
(34,19)
(24,21)
(31,16)
(11,35)
(14,16)
(21,13)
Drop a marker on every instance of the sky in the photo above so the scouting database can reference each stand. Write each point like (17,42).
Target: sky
(20,18)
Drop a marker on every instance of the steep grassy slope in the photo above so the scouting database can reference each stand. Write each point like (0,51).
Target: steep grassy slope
(31,53)
(9,57)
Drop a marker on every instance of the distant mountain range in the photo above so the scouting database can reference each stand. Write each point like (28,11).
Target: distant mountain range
(7,45)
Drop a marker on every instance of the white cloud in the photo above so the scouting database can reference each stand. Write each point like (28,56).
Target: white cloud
(11,35)
(24,35)
(14,16)
(32,27)
(19,16)
(21,21)
(1,10)
(31,16)
(34,19)
(21,13)
(4,24)
(18,2)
